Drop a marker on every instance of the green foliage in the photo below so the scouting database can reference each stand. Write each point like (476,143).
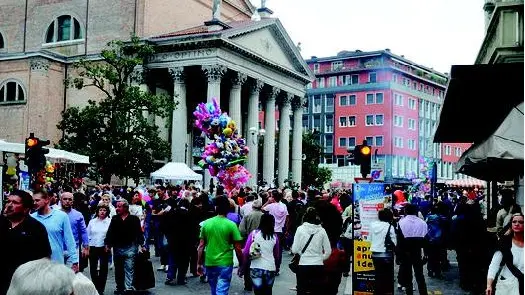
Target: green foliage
(114,131)
(312,174)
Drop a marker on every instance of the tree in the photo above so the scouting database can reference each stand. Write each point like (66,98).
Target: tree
(114,131)
(313,174)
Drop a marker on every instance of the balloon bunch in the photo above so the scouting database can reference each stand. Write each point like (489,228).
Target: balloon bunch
(227,151)
(421,186)
(50,170)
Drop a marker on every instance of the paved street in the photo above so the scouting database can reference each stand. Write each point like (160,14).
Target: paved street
(283,283)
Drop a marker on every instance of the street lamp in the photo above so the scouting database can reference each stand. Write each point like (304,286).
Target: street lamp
(256,133)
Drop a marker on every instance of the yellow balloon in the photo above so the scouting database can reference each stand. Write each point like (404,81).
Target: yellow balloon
(227,131)
(10,171)
(232,124)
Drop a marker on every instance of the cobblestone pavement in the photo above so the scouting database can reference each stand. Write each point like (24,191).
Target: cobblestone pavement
(283,283)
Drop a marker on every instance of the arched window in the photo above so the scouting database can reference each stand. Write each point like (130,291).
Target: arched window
(11,91)
(2,44)
(63,28)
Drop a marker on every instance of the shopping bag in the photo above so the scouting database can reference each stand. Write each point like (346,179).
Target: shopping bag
(144,277)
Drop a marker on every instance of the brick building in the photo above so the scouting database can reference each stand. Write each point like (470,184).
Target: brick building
(205,50)
(383,98)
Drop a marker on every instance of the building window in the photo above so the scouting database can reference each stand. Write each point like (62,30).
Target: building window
(352,100)
(394,166)
(316,68)
(351,121)
(458,152)
(12,91)
(369,140)
(342,141)
(379,98)
(379,120)
(369,120)
(447,150)
(411,103)
(328,141)
(351,142)
(337,65)
(332,81)
(411,124)
(329,124)
(398,121)
(379,140)
(317,104)
(398,99)
(355,79)
(398,142)
(329,103)
(372,78)
(320,82)
(343,100)
(369,98)
(394,78)
(63,28)
(350,79)
(306,125)
(412,144)
(317,123)
(342,122)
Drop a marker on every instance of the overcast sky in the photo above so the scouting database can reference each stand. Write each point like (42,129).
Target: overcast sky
(434,33)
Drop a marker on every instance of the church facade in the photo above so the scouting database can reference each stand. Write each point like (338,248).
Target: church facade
(216,51)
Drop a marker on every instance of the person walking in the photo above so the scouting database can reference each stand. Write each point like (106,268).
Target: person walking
(310,273)
(262,251)
(278,209)
(218,238)
(412,231)
(97,230)
(78,226)
(22,238)
(507,263)
(58,228)
(383,239)
(248,224)
(125,237)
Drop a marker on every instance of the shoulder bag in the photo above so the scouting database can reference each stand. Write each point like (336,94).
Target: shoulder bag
(389,244)
(294,264)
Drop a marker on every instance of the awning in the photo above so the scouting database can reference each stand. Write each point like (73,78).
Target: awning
(500,156)
(467,182)
(477,99)
(56,154)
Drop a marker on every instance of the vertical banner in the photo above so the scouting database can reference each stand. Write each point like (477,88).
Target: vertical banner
(369,199)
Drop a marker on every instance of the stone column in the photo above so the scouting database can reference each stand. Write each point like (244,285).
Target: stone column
(179,128)
(269,139)
(297,141)
(235,99)
(284,139)
(253,139)
(214,73)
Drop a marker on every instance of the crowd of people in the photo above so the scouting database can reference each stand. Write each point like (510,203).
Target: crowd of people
(204,234)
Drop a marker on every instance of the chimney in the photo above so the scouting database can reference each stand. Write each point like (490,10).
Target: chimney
(264,11)
(215,24)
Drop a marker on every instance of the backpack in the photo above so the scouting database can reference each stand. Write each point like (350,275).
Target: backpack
(435,231)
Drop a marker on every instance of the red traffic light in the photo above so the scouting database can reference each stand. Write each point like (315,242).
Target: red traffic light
(31,142)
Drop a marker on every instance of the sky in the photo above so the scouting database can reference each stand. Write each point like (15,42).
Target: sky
(433,33)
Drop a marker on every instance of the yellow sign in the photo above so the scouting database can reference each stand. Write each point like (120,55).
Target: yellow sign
(362,256)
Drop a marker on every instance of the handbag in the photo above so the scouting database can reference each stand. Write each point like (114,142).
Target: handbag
(389,244)
(294,264)
(144,277)
(255,248)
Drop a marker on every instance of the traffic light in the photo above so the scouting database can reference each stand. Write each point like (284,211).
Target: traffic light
(365,158)
(35,152)
(354,155)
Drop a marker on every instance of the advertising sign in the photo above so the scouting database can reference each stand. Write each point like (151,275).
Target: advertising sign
(377,171)
(369,199)
(23,181)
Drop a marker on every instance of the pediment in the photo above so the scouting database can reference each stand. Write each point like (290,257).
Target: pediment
(273,44)
(245,5)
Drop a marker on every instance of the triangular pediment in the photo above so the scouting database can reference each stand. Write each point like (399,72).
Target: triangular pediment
(271,42)
(244,5)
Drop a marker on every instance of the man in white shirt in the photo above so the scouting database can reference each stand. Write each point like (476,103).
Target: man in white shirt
(275,207)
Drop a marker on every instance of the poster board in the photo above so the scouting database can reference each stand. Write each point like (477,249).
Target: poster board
(369,199)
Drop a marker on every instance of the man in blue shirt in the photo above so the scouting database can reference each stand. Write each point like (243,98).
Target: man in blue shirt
(78,226)
(58,229)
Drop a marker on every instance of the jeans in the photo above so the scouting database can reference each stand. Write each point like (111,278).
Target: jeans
(219,278)
(99,278)
(384,274)
(310,279)
(262,281)
(412,259)
(124,267)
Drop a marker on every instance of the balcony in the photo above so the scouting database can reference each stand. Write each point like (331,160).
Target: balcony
(350,88)
(413,92)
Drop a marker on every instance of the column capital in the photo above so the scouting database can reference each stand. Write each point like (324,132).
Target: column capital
(139,75)
(238,79)
(256,86)
(214,73)
(272,93)
(287,99)
(177,74)
(297,103)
